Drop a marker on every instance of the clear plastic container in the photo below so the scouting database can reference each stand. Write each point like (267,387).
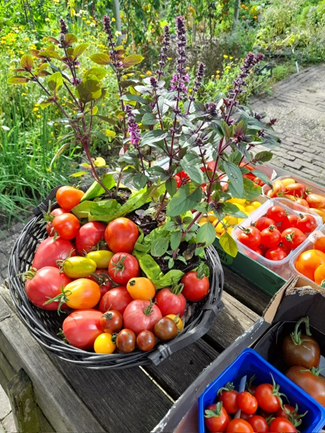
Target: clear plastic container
(307,245)
(281,267)
(311,186)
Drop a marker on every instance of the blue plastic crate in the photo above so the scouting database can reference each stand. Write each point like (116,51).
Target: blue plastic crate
(249,363)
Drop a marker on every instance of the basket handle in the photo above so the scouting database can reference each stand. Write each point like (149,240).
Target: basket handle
(44,205)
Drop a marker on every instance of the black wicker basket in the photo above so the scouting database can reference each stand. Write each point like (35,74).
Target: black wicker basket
(44,325)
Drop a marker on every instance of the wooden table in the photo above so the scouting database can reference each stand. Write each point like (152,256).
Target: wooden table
(58,396)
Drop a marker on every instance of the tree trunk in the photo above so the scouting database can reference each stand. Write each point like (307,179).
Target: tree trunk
(116,11)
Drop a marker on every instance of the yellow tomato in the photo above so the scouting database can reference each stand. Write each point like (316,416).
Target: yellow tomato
(240,207)
(235,200)
(78,267)
(230,220)
(141,288)
(211,217)
(256,204)
(288,181)
(202,221)
(177,320)
(249,209)
(104,343)
(101,257)
(219,228)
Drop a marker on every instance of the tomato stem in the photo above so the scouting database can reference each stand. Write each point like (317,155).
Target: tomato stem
(61,297)
(296,334)
(214,413)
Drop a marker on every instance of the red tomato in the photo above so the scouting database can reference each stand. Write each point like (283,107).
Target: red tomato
(66,226)
(258,251)
(115,299)
(121,235)
(170,303)
(263,223)
(194,288)
(247,402)
(140,315)
(229,400)
(307,223)
(250,236)
(276,253)
(52,250)
(90,237)
(270,237)
(111,321)
(44,284)
(146,340)
(101,277)
(239,425)
(54,213)
(82,327)
(282,425)
(296,189)
(123,267)
(292,238)
(276,213)
(216,418)
(289,222)
(266,398)
(259,424)
(125,341)
(178,181)
(165,329)
(286,411)
(68,197)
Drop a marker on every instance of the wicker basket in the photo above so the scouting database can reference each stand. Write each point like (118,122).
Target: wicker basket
(44,325)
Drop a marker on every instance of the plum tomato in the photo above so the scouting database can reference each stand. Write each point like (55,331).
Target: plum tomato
(276,213)
(276,253)
(146,340)
(270,237)
(68,197)
(216,418)
(111,321)
(82,327)
(101,257)
(250,236)
(141,288)
(292,238)
(140,315)
(307,223)
(50,251)
(66,225)
(115,299)
(90,237)
(81,294)
(308,261)
(122,267)
(121,235)
(165,329)
(195,289)
(126,340)
(78,267)
(311,383)
(104,343)
(263,223)
(170,303)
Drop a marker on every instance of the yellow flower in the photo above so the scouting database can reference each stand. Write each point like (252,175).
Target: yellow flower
(228,67)
(230,57)
(225,56)
(38,115)
(169,58)
(148,73)
(218,72)
(113,20)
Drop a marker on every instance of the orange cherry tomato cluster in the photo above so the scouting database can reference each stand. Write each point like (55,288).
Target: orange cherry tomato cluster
(87,271)
(297,192)
(277,233)
(311,263)
(257,409)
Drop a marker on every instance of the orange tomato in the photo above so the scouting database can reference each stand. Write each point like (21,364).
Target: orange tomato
(319,244)
(308,261)
(68,197)
(320,212)
(302,202)
(104,343)
(82,294)
(319,275)
(141,288)
(315,200)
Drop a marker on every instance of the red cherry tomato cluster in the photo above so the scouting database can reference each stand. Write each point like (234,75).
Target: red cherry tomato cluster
(276,234)
(89,272)
(259,409)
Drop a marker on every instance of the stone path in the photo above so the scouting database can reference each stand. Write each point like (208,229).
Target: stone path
(298,103)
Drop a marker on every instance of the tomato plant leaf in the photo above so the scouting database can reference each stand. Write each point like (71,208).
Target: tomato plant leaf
(206,234)
(236,183)
(186,198)
(228,244)
(100,58)
(103,210)
(171,278)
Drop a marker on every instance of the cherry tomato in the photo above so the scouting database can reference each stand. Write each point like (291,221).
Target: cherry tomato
(165,329)
(146,340)
(266,398)
(50,251)
(141,288)
(104,343)
(44,284)
(250,236)
(270,237)
(311,383)
(111,321)
(229,400)
(263,223)
(308,261)
(125,340)
(123,267)
(282,425)
(239,425)
(115,299)
(247,402)
(177,320)
(121,235)
(81,328)
(82,294)
(140,315)
(78,267)
(290,221)
(216,418)
(90,237)
(68,197)
(319,244)
(194,288)
(259,424)
(66,226)
(276,213)
(292,238)
(170,303)
(307,223)
(276,253)
(319,275)
(49,226)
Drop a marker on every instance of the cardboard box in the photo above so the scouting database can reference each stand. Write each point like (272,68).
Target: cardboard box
(297,298)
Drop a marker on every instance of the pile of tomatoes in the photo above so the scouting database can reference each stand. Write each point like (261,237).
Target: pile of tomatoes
(297,192)
(311,262)
(87,272)
(277,233)
(257,409)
